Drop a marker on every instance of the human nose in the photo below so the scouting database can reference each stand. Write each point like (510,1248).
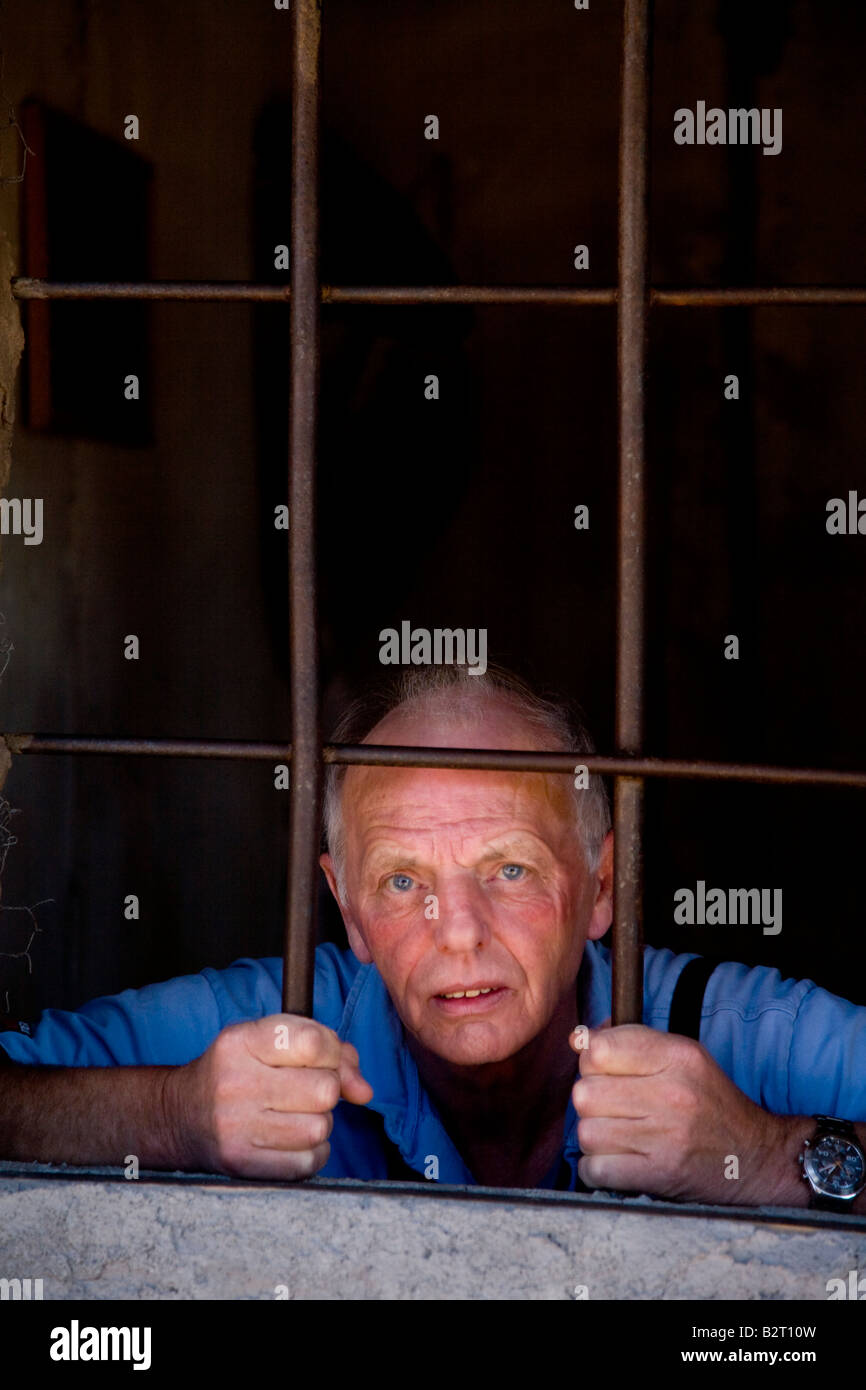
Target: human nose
(463,919)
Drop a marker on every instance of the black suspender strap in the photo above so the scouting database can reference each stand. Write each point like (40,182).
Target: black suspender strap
(688,996)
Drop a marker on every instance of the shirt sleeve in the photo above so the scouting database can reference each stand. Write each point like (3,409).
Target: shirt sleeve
(172,1023)
(794,1048)
(828,1057)
(165,1024)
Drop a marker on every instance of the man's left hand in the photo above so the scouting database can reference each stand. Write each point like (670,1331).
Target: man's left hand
(656,1114)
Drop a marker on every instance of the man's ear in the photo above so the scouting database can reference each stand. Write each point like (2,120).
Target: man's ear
(356,940)
(602,913)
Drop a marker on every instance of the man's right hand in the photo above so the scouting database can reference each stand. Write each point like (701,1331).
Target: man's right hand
(259,1102)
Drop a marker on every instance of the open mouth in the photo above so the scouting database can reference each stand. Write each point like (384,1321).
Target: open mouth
(471,1000)
(466,993)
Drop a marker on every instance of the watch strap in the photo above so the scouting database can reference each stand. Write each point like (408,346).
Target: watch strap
(835,1125)
(819,1201)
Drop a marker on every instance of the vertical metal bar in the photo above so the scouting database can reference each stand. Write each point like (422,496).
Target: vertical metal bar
(298,956)
(632,312)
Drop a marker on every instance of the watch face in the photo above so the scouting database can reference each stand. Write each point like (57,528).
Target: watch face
(835,1166)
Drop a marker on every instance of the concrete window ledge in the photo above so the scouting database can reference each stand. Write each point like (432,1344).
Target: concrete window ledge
(90,1233)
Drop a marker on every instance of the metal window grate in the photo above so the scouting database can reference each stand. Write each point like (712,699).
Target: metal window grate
(633,298)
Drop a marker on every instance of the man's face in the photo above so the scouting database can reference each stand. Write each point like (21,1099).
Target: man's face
(466,881)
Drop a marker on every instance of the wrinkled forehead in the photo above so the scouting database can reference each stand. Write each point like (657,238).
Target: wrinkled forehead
(427,798)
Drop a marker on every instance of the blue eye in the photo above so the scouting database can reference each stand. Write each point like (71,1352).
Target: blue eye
(513,871)
(401,882)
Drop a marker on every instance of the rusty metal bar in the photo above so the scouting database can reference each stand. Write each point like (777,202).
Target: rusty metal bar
(27,288)
(306,773)
(466,294)
(771,297)
(673,769)
(477,759)
(150,747)
(185,291)
(24,287)
(633,309)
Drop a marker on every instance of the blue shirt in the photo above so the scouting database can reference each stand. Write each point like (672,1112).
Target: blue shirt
(793,1048)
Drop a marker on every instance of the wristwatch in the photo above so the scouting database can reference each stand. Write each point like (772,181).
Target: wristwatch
(833,1164)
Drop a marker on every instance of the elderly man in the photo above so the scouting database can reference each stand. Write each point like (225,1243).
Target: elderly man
(465,1036)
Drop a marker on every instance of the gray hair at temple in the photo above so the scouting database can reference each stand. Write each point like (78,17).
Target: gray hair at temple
(456,693)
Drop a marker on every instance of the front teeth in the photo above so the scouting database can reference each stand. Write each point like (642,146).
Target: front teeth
(468,993)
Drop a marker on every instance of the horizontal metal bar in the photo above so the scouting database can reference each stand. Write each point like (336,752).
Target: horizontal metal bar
(468,294)
(24,288)
(772,296)
(149,747)
(478,759)
(484,759)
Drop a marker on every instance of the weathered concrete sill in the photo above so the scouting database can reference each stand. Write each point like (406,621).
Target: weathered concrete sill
(92,1234)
